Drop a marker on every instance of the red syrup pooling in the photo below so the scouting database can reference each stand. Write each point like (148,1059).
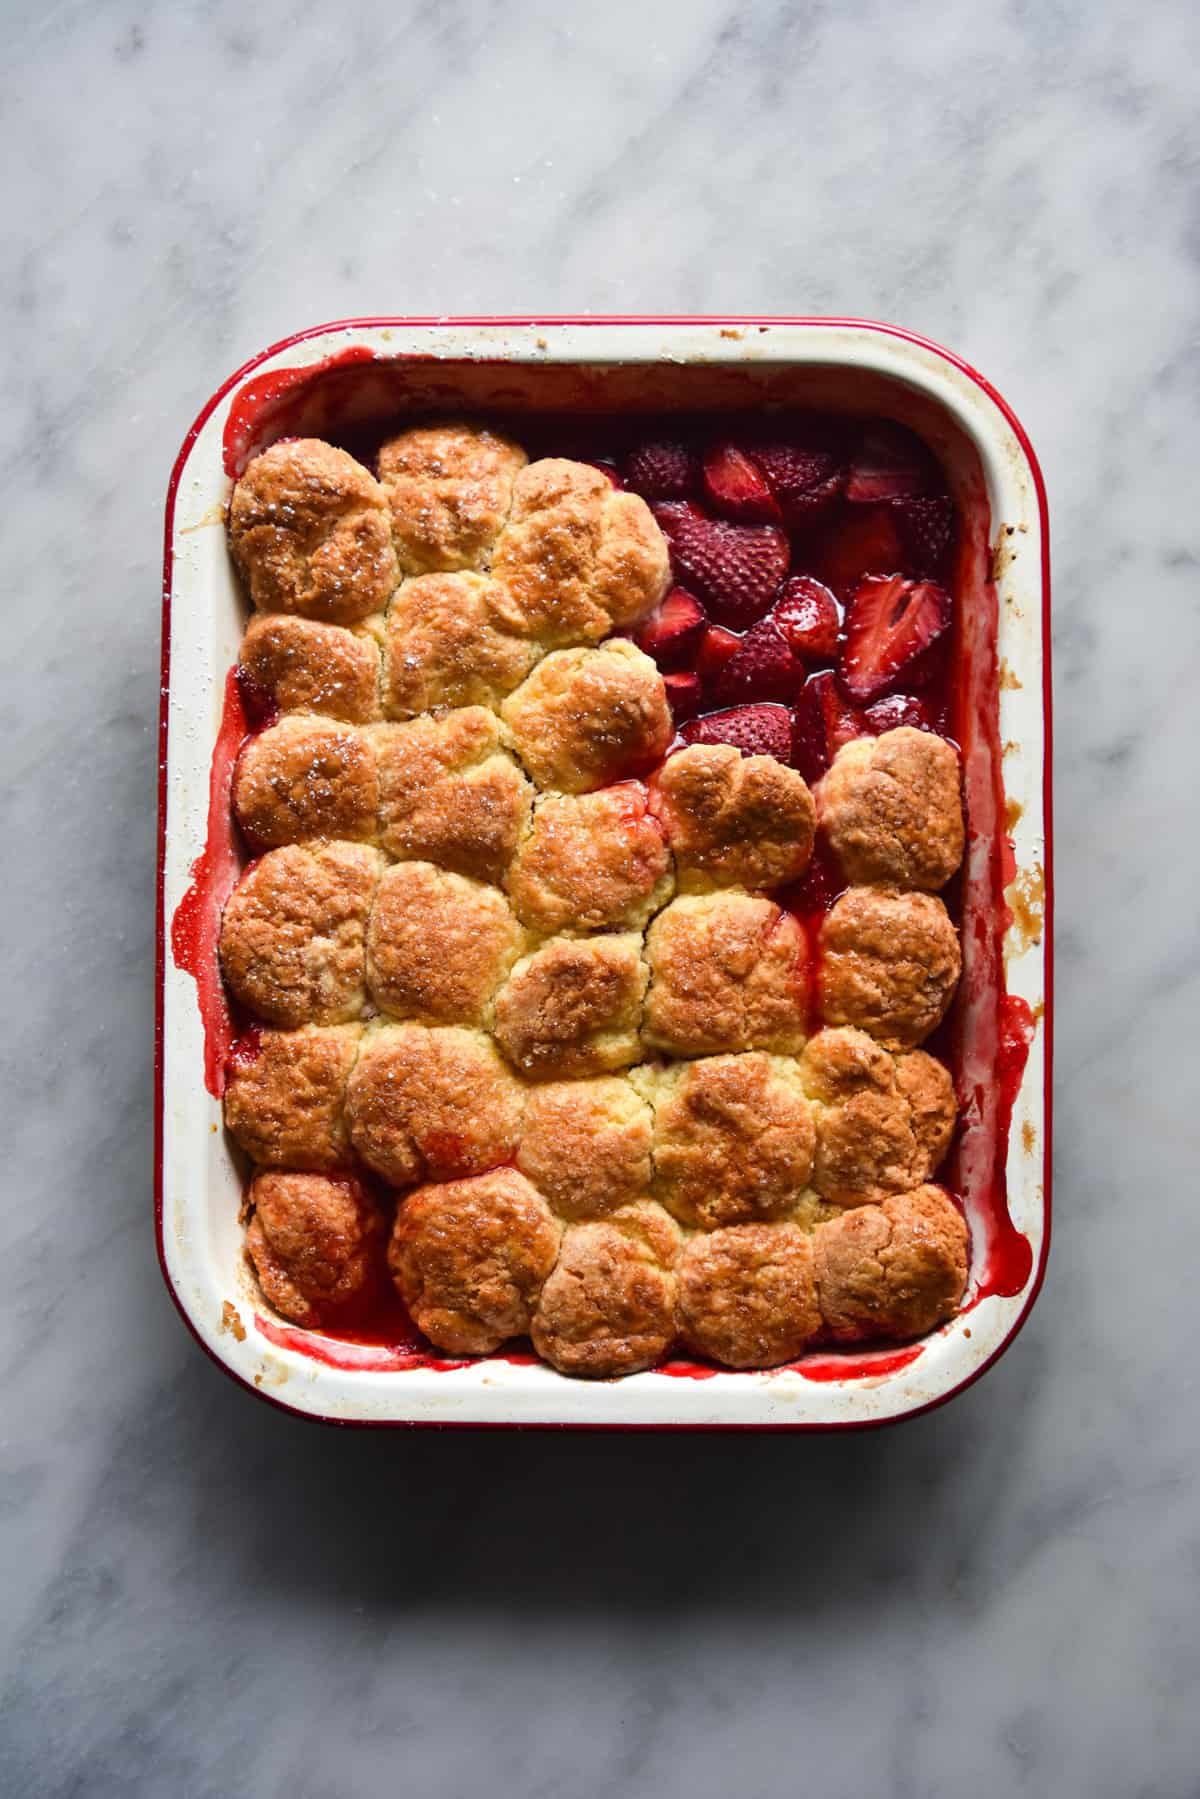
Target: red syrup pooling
(196,926)
(985,1042)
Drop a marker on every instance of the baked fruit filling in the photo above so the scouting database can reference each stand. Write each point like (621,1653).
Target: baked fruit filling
(601,924)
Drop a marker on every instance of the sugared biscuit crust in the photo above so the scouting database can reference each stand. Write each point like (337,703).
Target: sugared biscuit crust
(891,809)
(586,718)
(894,1270)
(310,533)
(439,945)
(579,558)
(293,933)
(451,640)
(302,666)
(733,820)
(591,862)
(573,1007)
(431,1103)
(727,972)
(311,1241)
(586,1145)
(449,488)
(609,1306)
(305,778)
(450,793)
(748,1295)
(890,963)
(285,1100)
(469,1258)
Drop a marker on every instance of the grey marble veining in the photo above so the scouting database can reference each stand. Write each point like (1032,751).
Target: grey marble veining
(204,1597)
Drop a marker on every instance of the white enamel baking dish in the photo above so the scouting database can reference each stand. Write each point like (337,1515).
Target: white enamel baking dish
(606,364)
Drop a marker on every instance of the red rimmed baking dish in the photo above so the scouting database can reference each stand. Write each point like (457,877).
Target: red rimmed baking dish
(348,374)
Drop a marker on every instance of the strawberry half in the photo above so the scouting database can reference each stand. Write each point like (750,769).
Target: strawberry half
(899,709)
(718,647)
(807,614)
(755,730)
(761,668)
(683,696)
(663,470)
(821,723)
(736,487)
(805,472)
(736,569)
(889,463)
(673,632)
(927,528)
(891,624)
(866,542)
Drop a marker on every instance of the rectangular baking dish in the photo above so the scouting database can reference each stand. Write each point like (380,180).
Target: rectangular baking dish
(368,368)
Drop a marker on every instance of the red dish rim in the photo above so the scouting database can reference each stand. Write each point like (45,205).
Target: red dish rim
(553,319)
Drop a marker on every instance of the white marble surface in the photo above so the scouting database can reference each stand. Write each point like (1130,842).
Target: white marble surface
(203,1597)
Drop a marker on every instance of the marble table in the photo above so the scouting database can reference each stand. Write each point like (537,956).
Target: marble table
(204,1597)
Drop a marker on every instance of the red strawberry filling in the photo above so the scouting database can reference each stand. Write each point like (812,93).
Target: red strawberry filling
(672,634)
(821,723)
(807,615)
(735,569)
(761,668)
(736,487)
(684,696)
(805,472)
(755,730)
(889,463)
(662,470)
(891,626)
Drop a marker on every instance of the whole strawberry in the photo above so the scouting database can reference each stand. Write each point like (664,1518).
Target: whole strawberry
(735,569)
(664,469)
(755,730)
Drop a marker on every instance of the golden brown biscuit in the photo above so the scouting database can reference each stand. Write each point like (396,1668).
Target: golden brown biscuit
(895,1270)
(733,820)
(587,718)
(284,1103)
(591,862)
(303,778)
(727,972)
(450,793)
(293,933)
(302,666)
(586,1145)
(579,558)
(883,1123)
(609,1306)
(431,1104)
(573,1007)
(312,1243)
(889,963)
(891,809)
(451,640)
(310,532)
(748,1295)
(449,486)
(469,1258)
(733,1139)
(439,945)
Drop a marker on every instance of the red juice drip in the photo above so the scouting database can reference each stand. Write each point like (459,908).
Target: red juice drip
(196,926)
(864,1366)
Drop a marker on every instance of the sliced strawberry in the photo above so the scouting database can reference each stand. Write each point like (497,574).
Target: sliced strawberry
(807,614)
(672,634)
(927,528)
(683,696)
(805,472)
(899,709)
(761,668)
(891,624)
(736,488)
(662,470)
(718,647)
(867,542)
(821,723)
(736,569)
(755,730)
(889,463)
